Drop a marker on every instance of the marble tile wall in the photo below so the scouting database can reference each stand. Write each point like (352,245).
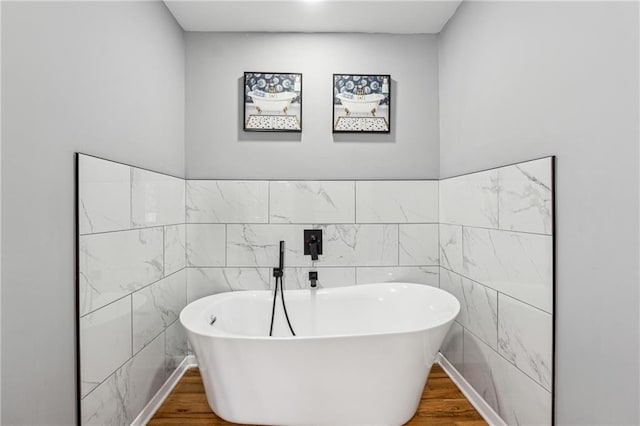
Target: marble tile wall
(132,286)
(372,231)
(496,257)
(150,243)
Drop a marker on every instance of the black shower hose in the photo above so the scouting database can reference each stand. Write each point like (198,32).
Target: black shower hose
(273,307)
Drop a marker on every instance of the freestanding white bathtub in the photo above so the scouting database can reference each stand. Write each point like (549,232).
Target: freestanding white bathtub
(272,101)
(360,103)
(361,356)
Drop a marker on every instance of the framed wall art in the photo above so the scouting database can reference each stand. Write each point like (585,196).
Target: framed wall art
(272,102)
(361,103)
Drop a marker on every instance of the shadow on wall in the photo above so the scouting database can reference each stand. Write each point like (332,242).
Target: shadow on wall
(260,136)
(297,137)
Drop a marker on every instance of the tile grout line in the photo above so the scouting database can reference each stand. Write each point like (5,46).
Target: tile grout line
(462,246)
(505,359)
(398,245)
(120,366)
(498,291)
(164,332)
(439,252)
(498,199)
(355,202)
(497,319)
(310,223)
(496,229)
(184,254)
(132,292)
(164,242)
(131,320)
(463,363)
(318,267)
(186,244)
(131,225)
(141,228)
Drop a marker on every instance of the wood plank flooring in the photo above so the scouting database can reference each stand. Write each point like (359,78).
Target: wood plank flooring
(441,404)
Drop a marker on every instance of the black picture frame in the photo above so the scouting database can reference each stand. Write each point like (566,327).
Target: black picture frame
(260,94)
(352,112)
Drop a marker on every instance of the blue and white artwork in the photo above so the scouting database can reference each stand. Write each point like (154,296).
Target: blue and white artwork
(272,102)
(361,103)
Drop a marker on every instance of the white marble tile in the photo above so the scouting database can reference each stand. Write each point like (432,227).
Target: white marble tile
(209,280)
(525,336)
(477,358)
(312,202)
(175,246)
(144,375)
(227,201)
(104,195)
(419,245)
(452,346)
(519,265)
(409,201)
(175,346)
(240,279)
(206,245)
(408,274)
(359,245)
(203,282)
(451,247)
(258,245)
(327,277)
(105,342)
(521,401)
(156,199)
(115,264)
(105,405)
(478,305)
(343,245)
(525,200)
(157,306)
(470,200)
(515,397)
(119,399)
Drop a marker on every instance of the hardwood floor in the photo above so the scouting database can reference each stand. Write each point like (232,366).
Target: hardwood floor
(442,403)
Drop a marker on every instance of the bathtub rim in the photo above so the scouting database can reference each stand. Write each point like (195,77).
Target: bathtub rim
(219,334)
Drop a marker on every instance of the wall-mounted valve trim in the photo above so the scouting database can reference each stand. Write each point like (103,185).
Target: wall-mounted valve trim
(313,243)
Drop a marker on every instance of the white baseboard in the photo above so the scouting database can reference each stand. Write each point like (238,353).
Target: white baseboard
(154,404)
(485,410)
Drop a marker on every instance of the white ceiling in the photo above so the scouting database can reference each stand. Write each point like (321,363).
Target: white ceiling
(362,16)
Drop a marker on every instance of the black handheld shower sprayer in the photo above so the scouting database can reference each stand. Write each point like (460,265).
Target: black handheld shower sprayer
(281,262)
(278,274)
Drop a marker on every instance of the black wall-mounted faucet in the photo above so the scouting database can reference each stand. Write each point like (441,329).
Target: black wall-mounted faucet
(313,278)
(313,243)
(313,247)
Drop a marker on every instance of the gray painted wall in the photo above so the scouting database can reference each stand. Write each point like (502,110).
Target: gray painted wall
(216,146)
(0,223)
(523,80)
(102,78)
(517,81)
